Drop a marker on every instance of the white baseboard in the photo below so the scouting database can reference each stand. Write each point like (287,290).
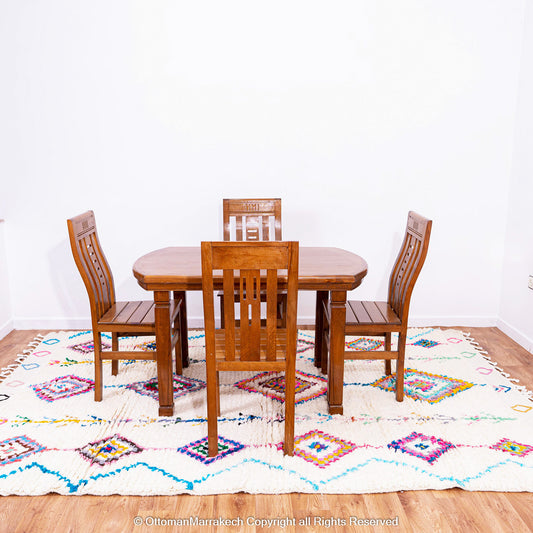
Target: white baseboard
(52,323)
(198,322)
(6,329)
(516,335)
(415,321)
(437,321)
(453,321)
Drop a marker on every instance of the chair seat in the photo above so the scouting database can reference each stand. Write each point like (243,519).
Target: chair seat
(281,295)
(137,314)
(281,345)
(370,313)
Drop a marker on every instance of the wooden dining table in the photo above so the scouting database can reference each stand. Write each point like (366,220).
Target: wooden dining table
(331,272)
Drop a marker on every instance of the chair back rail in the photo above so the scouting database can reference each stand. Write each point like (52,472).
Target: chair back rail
(92,263)
(248,269)
(251,219)
(409,263)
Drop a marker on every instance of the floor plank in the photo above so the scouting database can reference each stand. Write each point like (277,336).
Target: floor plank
(447,510)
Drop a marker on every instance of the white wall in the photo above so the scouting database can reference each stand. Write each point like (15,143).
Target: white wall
(6,321)
(517,300)
(353,112)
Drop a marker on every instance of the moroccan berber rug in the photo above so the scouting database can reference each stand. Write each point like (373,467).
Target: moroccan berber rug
(463,423)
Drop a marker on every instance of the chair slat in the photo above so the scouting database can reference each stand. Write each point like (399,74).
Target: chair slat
(244,320)
(127,311)
(265,234)
(238,228)
(373,312)
(253,295)
(250,303)
(96,293)
(388,313)
(350,315)
(104,271)
(229,315)
(139,315)
(113,312)
(272,315)
(360,313)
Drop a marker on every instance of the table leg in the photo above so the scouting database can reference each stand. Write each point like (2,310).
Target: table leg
(164,354)
(185,335)
(321,298)
(336,353)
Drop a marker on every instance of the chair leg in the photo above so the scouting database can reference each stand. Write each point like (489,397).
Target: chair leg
(184,336)
(288,443)
(114,347)
(325,354)
(212,407)
(176,330)
(218,394)
(221,297)
(400,367)
(320,324)
(177,355)
(97,339)
(282,311)
(388,369)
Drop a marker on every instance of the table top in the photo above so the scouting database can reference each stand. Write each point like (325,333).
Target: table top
(180,268)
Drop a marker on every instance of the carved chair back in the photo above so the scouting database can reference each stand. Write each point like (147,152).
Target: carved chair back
(409,263)
(91,263)
(249,268)
(252,219)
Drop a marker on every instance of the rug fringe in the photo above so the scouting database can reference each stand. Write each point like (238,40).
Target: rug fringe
(30,348)
(515,381)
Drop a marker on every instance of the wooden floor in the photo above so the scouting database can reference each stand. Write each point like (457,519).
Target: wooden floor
(417,511)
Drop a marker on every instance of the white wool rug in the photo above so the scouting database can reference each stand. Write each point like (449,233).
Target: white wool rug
(463,423)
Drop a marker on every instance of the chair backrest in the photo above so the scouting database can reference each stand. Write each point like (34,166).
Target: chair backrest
(250,219)
(91,263)
(248,268)
(409,263)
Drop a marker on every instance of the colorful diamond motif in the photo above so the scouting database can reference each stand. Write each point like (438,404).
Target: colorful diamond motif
(182,386)
(149,345)
(425,343)
(88,347)
(199,449)
(427,448)
(17,448)
(276,383)
(107,450)
(303,345)
(320,448)
(365,344)
(272,385)
(62,387)
(423,386)
(512,447)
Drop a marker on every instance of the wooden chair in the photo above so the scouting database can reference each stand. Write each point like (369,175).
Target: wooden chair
(247,219)
(121,319)
(383,318)
(247,345)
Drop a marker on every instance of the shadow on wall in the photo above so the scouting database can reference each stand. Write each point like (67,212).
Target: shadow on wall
(67,283)
(394,249)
